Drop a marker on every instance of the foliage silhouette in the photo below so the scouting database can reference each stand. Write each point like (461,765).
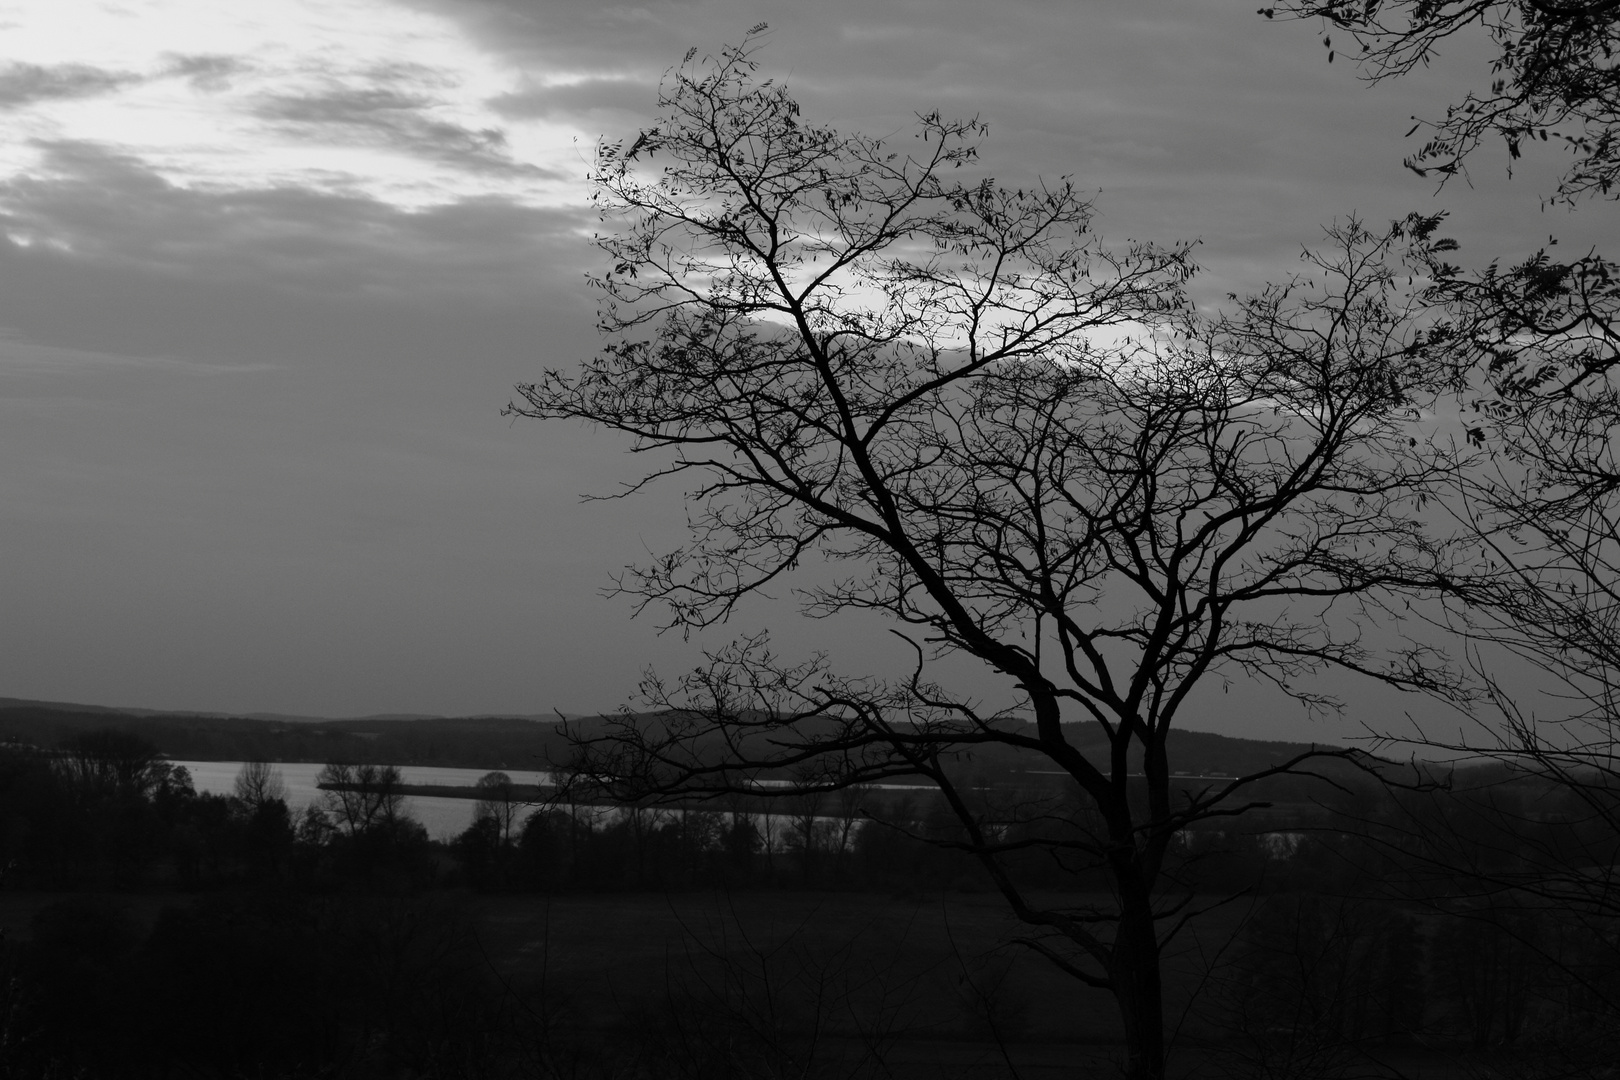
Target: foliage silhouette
(1552,76)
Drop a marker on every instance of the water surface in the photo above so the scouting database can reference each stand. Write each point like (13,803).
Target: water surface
(444,818)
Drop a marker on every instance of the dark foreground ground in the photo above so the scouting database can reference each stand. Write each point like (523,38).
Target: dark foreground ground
(931,984)
(832,985)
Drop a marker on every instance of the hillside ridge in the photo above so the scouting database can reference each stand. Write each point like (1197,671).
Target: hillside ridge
(480,741)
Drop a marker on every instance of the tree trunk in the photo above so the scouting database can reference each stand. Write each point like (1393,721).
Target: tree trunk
(1138,989)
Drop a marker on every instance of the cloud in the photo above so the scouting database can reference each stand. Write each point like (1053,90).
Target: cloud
(586,97)
(20,355)
(1195,121)
(91,203)
(25,84)
(394,114)
(210,73)
(355,96)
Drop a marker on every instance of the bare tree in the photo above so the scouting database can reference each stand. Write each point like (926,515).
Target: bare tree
(362,797)
(498,801)
(258,783)
(109,762)
(1552,76)
(807,835)
(848,807)
(1536,348)
(857,359)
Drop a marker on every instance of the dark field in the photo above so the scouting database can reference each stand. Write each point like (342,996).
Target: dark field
(841,984)
(933,982)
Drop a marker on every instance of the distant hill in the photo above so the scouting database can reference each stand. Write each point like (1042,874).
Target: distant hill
(63,706)
(470,742)
(498,742)
(284,718)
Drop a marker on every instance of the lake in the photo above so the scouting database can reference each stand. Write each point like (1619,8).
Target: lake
(444,818)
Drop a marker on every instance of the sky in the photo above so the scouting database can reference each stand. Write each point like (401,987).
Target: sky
(269,271)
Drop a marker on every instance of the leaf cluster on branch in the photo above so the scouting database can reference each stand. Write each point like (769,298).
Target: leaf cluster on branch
(1553,76)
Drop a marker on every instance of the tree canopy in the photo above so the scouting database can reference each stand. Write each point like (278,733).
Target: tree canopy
(1022,446)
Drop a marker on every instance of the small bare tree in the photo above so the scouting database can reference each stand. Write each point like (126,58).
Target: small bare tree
(857,359)
(849,807)
(362,797)
(259,783)
(498,801)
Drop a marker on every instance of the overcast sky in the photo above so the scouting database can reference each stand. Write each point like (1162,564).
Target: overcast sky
(269,271)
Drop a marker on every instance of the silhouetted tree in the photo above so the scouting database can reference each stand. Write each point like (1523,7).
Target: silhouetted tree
(479,848)
(1536,349)
(361,798)
(497,800)
(548,846)
(859,360)
(258,782)
(111,763)
(1551,76)
(268,839)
